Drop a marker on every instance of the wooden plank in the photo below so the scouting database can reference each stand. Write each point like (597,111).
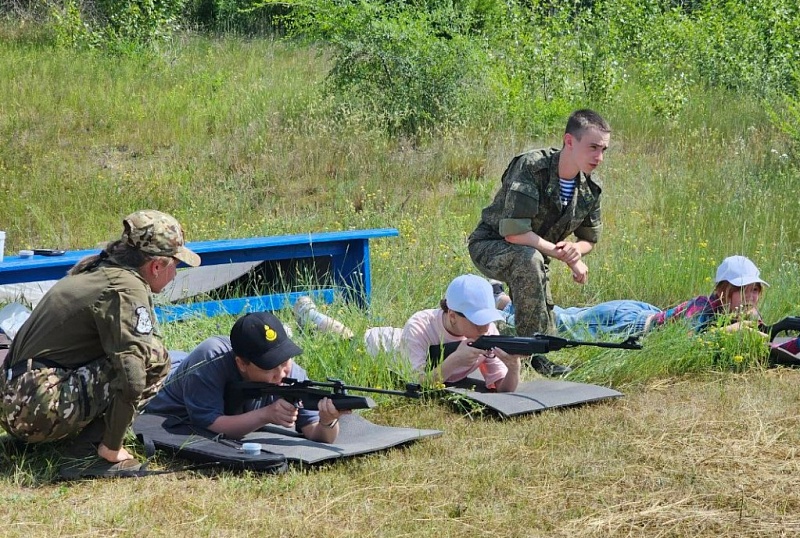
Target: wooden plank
(246,243)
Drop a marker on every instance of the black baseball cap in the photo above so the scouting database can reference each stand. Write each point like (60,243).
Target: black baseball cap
(260,338)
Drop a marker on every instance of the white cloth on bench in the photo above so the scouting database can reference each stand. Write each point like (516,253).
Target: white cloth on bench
(29,293)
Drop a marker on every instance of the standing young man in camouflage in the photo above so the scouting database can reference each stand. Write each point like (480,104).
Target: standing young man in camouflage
(546,195)
(90,352)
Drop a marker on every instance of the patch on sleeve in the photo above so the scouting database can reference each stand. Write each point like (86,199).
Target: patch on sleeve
(144,325)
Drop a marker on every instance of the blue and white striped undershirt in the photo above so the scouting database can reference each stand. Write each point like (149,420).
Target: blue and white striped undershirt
(566,190)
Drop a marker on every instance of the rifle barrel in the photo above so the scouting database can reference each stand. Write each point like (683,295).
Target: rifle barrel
(625,344)
(413,390)
(542,343)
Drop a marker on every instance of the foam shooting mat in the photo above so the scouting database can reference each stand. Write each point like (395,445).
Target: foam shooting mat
(777,355)
(531,396)
(201,446)
(357,436)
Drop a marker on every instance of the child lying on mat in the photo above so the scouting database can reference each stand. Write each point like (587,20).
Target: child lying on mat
(258,350)
(466,312)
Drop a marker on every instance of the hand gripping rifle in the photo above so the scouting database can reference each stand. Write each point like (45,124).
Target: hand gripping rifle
(527,345)
(308,393)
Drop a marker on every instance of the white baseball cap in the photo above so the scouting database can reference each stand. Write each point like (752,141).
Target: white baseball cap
(472,296)
(739,271)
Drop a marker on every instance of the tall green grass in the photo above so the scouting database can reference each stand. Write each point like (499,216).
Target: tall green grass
(233,137)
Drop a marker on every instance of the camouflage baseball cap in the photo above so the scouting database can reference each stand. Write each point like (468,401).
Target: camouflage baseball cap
(159,234)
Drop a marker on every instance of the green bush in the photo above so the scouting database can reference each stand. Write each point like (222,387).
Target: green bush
(784,114)
(404,68)
(422,66)
(118,26)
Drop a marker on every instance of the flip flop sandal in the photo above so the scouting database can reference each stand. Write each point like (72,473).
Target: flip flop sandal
(99,468)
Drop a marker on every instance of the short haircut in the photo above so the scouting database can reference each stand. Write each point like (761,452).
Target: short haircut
(582,119)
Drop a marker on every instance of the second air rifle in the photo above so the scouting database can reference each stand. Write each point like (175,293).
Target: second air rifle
(527,345)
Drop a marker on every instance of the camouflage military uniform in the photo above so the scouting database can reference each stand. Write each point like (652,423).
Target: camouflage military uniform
(91,347)
(97,329)
(529,200)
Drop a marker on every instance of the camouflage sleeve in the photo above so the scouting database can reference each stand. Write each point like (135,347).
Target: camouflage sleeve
(591,227)
(515,226)
(522,198)
(126,323)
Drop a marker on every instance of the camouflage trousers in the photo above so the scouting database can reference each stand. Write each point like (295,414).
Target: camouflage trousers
(527,273)
(48,404)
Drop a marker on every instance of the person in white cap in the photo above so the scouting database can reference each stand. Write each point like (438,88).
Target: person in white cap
(737,292)
(466,312)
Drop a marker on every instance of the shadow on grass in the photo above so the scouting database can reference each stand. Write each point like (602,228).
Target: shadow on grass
(28,465)
(35,465)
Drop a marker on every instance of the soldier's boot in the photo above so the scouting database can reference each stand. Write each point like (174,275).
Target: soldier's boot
(548,368)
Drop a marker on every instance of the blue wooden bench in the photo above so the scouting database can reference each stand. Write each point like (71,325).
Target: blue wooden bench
(336,262)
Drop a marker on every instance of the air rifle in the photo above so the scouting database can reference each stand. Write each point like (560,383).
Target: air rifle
(527,345)
(787,324)
(308,393)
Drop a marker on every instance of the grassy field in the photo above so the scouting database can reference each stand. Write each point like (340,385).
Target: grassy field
(232,137)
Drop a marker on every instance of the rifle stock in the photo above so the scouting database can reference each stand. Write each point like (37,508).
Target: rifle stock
(307,393)
(787,324)
(527,345)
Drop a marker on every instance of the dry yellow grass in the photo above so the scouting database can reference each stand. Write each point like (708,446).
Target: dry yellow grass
(710,456)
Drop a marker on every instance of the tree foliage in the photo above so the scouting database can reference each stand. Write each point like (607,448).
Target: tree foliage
(403,65)
(416,66)
(117,26)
